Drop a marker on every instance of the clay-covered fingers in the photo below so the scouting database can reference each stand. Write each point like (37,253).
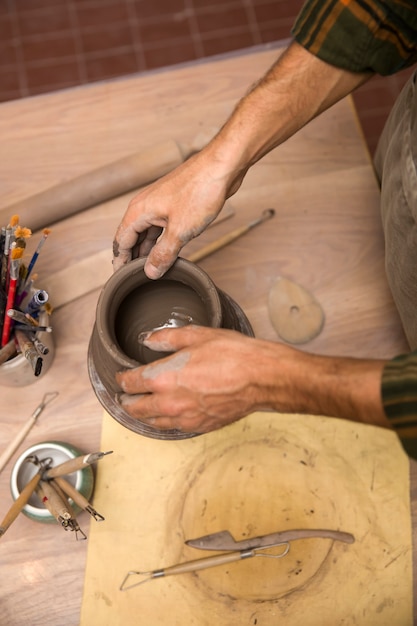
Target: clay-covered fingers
(133,238)
(147,407)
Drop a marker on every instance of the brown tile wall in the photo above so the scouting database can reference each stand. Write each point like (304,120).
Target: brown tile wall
(53,44)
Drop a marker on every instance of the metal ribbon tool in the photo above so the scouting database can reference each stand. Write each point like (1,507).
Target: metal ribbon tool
(237,550)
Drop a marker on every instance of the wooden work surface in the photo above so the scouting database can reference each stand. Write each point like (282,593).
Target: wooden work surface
(326,236)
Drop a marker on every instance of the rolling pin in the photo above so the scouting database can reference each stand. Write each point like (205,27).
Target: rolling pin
(101,184)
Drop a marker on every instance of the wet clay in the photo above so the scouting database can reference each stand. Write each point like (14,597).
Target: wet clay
(152,306)
(131,304)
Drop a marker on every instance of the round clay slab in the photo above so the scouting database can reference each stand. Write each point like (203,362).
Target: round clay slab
(294,312)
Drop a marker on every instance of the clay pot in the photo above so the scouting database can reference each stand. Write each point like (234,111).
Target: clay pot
(129,304)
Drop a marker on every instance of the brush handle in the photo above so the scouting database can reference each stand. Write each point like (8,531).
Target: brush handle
(19,503)
(7,324)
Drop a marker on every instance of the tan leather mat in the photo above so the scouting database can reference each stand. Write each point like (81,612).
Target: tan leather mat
(266,473)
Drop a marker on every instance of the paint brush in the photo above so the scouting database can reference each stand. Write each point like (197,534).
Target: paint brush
(46,232)
(20,502)
(16,257)
(9,238)
(21,233)
(75,464)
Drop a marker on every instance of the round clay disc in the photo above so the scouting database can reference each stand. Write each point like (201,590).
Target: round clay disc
(294,312)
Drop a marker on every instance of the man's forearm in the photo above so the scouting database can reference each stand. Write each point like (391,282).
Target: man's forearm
(321,385)
(296,89)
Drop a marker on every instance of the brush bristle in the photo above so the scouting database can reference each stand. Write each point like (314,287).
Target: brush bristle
(16,253)
(46,231)
(14,220)
(22,232)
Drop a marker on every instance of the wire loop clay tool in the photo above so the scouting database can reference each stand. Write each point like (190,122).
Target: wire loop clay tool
(236,551)
(15,443)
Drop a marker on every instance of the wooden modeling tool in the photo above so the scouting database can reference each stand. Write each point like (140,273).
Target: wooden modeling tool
(76,496)
(229,237)
(20,502)
(294,312)
(75,464)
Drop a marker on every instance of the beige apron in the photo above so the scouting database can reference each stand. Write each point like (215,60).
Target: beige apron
(395,163)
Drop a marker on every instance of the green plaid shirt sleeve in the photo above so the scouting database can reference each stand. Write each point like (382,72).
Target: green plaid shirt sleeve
(399,397)
(360,35)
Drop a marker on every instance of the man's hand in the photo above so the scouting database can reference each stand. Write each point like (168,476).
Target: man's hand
(205,385)
(218,376)
(166,215)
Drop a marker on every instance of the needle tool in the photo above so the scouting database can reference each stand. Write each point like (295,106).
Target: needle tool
(226,239)
(75,464)
(13,445)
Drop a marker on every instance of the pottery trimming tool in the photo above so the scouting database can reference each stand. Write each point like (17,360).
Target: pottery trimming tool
(236,551)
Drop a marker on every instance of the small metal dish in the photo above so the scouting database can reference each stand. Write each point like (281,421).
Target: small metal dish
(23,471)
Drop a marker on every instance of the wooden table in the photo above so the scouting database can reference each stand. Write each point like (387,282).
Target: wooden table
(326,236)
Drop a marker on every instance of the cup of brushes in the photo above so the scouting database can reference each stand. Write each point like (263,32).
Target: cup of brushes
(27,347)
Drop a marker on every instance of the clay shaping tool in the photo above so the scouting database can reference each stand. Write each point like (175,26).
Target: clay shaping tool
(232,236)
(75,464)
(15,443)
(57,504)
(77,497)
(238,550)
(20,502)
